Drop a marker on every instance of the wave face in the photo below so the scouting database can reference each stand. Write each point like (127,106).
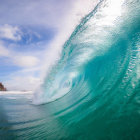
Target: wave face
(101,58)
(99,74)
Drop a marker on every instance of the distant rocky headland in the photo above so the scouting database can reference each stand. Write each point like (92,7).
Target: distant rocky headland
(2,88)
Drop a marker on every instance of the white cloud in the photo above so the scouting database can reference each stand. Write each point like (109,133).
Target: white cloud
(22,83)
(26,61)
(24,79)
(31,12)
(10,32)
(21,60)
(3,51)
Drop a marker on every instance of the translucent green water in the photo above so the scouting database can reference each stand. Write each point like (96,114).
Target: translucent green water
(99,74)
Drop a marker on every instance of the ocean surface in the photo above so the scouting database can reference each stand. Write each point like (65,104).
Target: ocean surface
(93,91)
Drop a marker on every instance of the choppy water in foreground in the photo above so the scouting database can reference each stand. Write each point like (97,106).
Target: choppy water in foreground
(93,91)
(71,118)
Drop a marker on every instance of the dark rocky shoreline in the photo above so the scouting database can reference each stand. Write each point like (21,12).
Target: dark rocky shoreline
(2,88)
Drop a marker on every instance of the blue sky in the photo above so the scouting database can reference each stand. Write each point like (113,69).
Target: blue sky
(32,34)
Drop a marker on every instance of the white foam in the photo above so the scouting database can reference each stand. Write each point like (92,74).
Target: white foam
(72,19)
(15,92)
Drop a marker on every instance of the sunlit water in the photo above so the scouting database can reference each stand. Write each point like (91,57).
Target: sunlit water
(93,91)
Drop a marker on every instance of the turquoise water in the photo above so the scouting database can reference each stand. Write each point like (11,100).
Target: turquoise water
(93,91)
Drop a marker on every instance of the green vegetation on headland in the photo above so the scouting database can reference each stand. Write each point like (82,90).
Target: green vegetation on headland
(2,88)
